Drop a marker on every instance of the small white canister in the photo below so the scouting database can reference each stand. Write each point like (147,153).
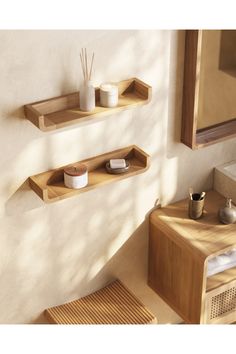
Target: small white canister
(109,95)
(76,176)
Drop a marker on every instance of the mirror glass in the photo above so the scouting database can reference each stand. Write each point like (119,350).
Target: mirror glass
(209,90)
(217,77)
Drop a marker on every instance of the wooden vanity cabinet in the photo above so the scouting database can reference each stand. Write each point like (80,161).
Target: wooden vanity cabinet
(179,250)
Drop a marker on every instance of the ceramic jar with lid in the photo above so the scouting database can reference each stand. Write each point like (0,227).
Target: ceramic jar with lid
(76,176)
(109,95)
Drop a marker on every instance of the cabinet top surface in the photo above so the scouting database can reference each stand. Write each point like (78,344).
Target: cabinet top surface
(206,235)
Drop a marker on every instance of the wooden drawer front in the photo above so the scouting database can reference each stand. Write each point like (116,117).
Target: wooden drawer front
(221,304)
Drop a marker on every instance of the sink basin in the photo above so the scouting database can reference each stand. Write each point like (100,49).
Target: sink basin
(225,180)
(231,169)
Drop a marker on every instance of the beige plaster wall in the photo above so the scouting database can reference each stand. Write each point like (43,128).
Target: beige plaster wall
(51,254)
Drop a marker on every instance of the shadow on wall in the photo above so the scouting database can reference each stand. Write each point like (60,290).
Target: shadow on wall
(22,200)
(63,251)
(121,266)
(50,258)
(128,42)
(129,264)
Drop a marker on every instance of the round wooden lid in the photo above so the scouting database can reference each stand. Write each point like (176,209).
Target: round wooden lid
(77,170)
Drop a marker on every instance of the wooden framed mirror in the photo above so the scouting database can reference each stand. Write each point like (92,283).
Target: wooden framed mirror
(209,91)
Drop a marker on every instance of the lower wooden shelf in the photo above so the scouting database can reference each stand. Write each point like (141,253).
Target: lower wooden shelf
(50,187)
(220,279)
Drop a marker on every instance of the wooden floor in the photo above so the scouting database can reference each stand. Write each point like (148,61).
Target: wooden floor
(114,304)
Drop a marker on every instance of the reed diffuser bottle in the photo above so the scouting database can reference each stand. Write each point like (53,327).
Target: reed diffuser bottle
(87,90)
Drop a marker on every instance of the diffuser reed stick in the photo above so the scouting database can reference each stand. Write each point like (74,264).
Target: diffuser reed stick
(91,67)
(86,64)
(82,64)
(87,71)
(87,99)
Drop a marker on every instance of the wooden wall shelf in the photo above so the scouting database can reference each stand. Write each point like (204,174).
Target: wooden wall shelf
(63,111)
(50,185)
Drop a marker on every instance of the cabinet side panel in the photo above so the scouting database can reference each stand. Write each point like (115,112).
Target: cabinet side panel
(175,275)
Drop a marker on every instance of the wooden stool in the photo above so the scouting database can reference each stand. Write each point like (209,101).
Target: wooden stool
(114,304)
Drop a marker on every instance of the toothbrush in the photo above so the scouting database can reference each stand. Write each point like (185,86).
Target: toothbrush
(202,195)
(191,193)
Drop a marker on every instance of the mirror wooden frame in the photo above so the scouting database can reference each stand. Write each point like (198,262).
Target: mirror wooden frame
(190,135)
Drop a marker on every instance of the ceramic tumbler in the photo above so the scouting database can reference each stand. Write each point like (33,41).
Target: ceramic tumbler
(196,205)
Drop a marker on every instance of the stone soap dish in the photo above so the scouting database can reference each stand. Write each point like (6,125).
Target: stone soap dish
(116,171)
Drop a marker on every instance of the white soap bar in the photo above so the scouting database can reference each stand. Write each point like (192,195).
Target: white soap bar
(117,163)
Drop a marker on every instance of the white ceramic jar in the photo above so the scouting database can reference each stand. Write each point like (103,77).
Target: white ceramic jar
(76,176)
(87,97)
(109,95)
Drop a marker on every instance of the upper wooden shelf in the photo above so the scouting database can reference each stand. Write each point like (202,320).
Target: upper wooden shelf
(50,185)
(62,111)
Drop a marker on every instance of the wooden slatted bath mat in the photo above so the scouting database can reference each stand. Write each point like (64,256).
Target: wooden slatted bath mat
(114,304)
